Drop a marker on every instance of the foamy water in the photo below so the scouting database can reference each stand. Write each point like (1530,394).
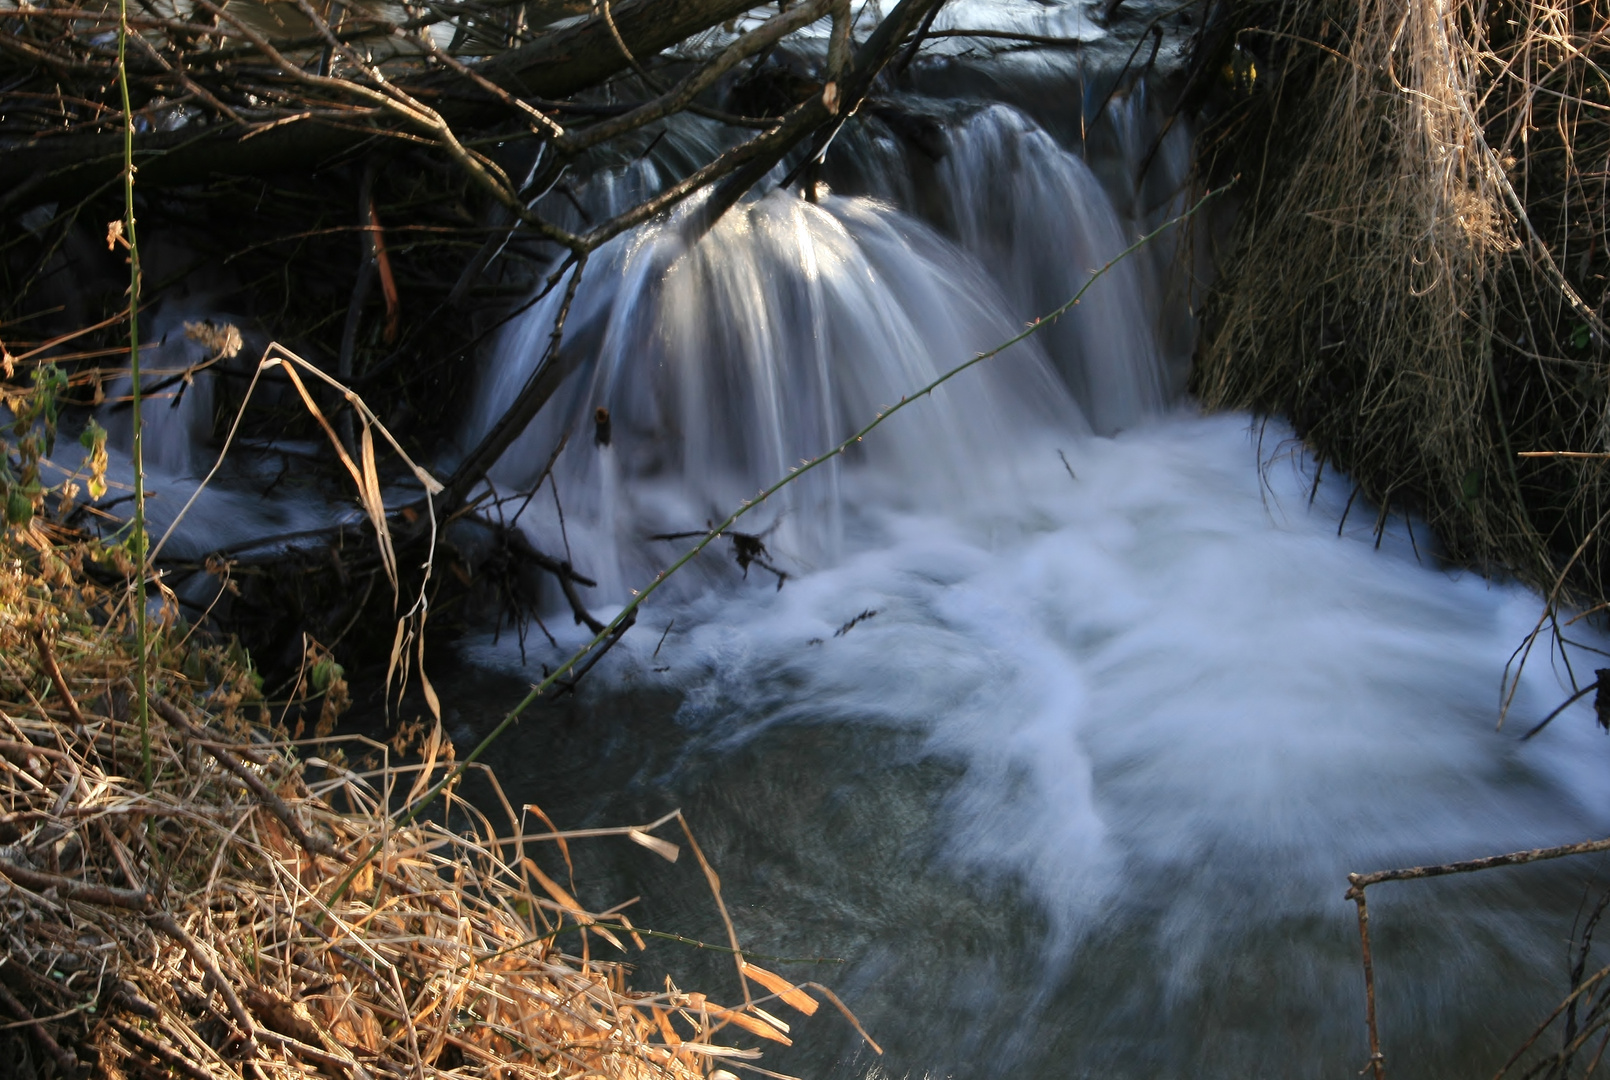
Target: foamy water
(1067,742)
(1173,710)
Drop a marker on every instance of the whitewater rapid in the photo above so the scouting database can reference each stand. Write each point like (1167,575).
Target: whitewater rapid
(1170,708)
(1075,708)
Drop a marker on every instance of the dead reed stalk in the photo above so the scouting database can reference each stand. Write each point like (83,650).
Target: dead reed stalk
(190,926)
(1421,268)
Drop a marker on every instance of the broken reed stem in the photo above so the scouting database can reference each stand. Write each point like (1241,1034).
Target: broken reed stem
(1515,858)
(1357,883)
(1377,1060)
(137,525)
(47,659)
(628,614)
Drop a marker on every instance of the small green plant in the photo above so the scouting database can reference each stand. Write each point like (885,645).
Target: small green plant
(28,441)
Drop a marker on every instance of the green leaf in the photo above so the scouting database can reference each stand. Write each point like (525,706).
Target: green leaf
(93,439)
(325,672)
(19,507)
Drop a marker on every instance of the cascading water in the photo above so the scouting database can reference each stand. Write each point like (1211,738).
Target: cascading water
(1065,740)
(789,323)
(1010,187)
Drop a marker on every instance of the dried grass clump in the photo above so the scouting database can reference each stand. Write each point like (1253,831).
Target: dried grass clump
(255,914)
(1422,264)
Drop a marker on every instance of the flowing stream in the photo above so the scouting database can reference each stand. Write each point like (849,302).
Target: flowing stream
(1074,709)
(1054,714)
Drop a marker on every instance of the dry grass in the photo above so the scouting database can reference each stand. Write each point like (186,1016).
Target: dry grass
(199,927)
(1420,269)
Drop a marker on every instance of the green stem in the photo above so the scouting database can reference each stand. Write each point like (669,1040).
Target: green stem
(630,610)
(137,538)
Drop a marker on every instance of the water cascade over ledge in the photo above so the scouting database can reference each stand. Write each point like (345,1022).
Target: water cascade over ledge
(1074,710)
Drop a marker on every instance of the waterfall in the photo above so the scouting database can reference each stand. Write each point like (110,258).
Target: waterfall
(726,362)
(253,505)
(1077,707)
(178,418)
(1039,220)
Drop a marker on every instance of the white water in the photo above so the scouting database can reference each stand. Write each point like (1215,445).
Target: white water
(262,499)
(726,364)
(179,450)
(1169,707)
(1165,667)
(757,349)
(1174,710)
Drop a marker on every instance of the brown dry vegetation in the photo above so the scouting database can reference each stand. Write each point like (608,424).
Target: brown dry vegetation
(251,911)
(1421,267)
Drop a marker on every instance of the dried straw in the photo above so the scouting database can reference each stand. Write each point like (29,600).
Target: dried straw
(188,928)
(1421,266)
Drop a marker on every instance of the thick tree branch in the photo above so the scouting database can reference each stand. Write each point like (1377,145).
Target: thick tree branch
(555,65)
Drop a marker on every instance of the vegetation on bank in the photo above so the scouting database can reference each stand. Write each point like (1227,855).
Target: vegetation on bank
(206,922)
(189,892)
(1419,273)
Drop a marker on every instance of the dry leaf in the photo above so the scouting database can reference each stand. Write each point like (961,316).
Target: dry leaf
(223,341)
(663,848)
(780,986)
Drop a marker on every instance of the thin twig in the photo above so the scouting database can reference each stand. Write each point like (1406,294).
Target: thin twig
(47,660)
(66,1060)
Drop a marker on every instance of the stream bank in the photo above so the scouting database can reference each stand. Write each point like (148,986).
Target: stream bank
(1083,676)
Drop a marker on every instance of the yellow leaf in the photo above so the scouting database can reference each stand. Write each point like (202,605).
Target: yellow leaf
(784,989)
